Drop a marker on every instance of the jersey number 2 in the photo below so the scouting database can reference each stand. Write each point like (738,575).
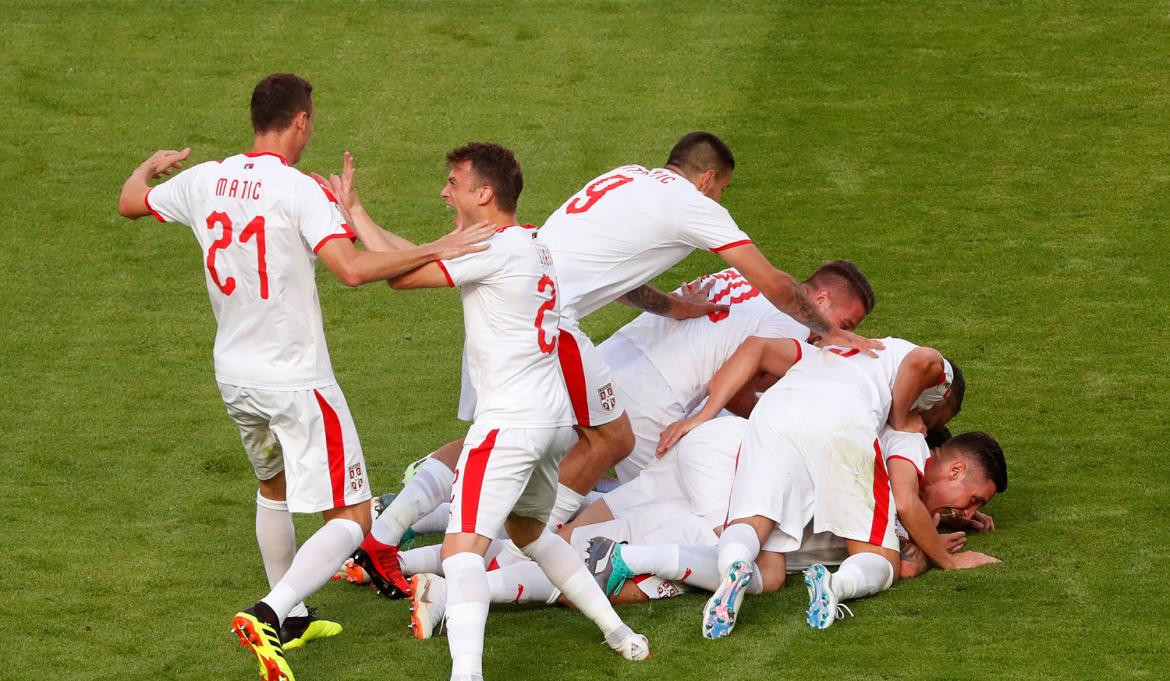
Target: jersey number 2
(255,228)
(546,345)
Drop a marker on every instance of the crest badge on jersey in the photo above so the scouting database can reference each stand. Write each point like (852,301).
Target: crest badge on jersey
(607,397)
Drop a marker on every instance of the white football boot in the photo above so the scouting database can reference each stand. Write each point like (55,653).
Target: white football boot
(428,604)
(823,606)
(723,606)
(634,647)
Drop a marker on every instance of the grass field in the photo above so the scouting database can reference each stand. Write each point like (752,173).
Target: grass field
(1000,170)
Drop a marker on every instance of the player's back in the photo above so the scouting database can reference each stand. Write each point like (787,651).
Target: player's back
(688,352)
(259,223)
(626,227)
(511,321)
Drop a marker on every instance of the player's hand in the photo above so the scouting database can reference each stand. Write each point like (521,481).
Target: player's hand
(163,161)
(675,432)
(694,301)
(464,240)
(343,186)
(965,560)
(979,522)
(848,339)
(955,541)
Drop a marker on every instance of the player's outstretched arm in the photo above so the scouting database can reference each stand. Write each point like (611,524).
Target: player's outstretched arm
(372,236)
(922,529)
(693,302)
(774,356)
(132,201)
(920,370)
(353,267)
(784,292)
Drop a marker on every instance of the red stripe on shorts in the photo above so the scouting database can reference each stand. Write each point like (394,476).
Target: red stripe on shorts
(477,460)
(881,497)
(570,358)
(335,450)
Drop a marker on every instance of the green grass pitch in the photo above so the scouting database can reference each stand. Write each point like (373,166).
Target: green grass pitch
(1001,170)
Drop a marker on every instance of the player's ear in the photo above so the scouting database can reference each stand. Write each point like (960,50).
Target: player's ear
(486,195)
(958,468)
(706,180)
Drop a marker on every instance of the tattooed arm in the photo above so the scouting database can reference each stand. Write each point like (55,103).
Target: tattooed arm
(692,303)
(914,561)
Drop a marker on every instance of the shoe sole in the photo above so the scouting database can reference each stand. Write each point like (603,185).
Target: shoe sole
(820,613)
(245,630)
(720,612)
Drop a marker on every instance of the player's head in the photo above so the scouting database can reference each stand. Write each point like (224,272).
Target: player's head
(484,179)
(841,292)
(964,474)
(705,160)
(941,414)
(282,103)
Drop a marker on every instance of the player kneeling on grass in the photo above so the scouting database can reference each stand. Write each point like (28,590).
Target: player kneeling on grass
(507,472)
(271,361)
(811,454)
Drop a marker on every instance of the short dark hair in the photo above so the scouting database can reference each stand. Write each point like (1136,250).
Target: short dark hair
(986,453)
(698,152)
(958,385)
(937,437)
(843,272)
(495,166)
(278,99)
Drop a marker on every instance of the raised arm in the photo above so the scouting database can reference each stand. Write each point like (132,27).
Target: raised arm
(920,370)
(916,519)
(774,356)
(784,293)
(354,267)
(132,201)
(373,237)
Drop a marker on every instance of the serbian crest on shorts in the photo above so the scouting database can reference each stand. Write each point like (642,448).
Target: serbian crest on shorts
(356,477)
(605,394)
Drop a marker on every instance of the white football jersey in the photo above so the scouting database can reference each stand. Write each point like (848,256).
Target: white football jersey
(847,371)
(897,444)
(688,352)
(510,316)
(626,227)
(259,223)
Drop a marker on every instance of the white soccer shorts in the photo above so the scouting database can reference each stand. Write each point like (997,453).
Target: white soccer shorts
(308,434)
(503,471)
(587,376)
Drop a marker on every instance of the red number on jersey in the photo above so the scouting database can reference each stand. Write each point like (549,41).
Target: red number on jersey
(844,352)
(595,191)
(222,242)
(546,345)
(735,290)
(254,228)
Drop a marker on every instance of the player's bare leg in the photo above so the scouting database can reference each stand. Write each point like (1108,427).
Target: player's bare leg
(868,570)
(597,449)
(430,486)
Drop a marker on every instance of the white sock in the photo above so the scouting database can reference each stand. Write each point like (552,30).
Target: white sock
(467,610)
(738,542)
(314,564)
(588,500)
(278,542)
(430,487)
(862,574)
(567,504)
(694,565)
(435,521)
(756,583)
(422,560)
(523,582)
(565,570)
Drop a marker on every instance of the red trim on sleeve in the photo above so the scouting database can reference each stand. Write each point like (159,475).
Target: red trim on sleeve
(153,212)
(733,244)
(569,355)
(799,351)
(335,450)
(916,468)
(450,281)
(477,460)
(881,497)
(347,235)
(256,154)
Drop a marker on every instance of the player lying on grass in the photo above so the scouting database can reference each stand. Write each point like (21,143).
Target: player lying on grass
(663,366)
(608,241)
(811,455)
(671,548)
(507,471)
(261,225)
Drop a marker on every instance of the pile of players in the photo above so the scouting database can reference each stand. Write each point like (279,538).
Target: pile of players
(821,459)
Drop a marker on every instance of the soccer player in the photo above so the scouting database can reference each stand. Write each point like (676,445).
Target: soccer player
(507,471)
(661,366)
(261,225)
(811,455)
